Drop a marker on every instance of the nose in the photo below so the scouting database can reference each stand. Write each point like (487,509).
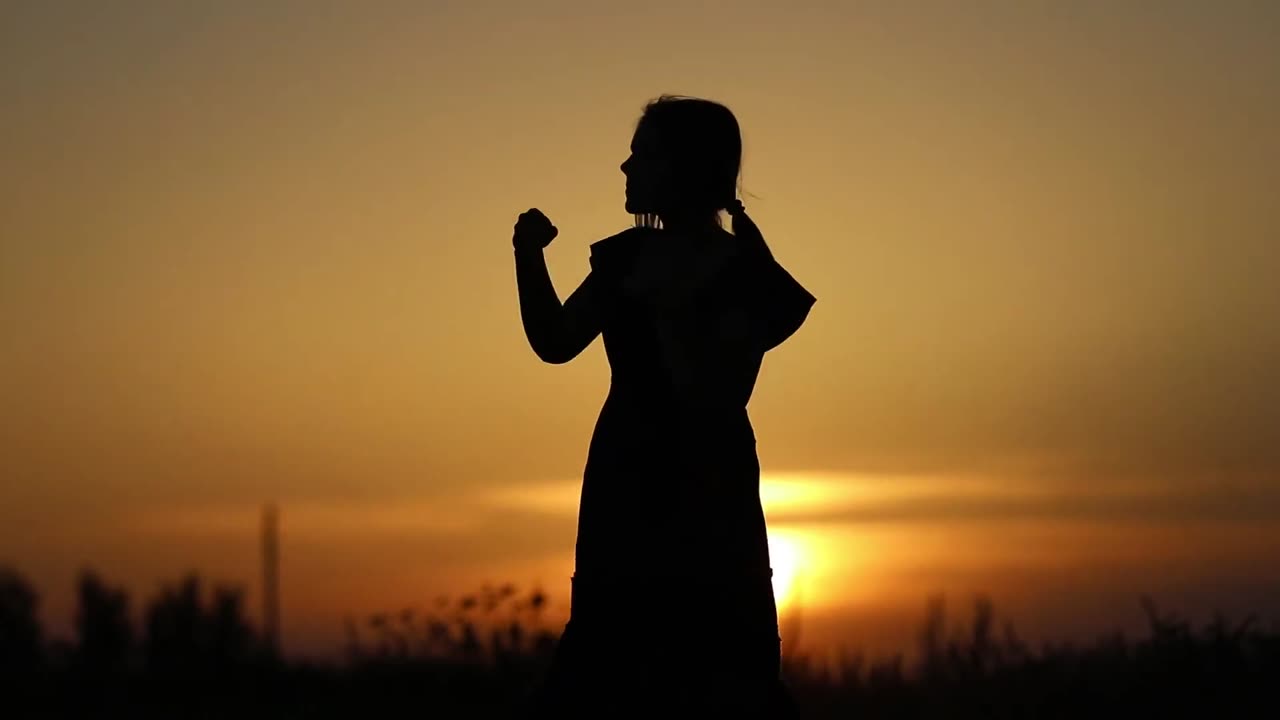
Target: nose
(623,166)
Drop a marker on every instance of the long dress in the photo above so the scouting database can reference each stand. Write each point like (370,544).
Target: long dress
(672,604)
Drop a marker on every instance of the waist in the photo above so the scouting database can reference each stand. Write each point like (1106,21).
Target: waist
(654,398)
(737,598)
(674,580)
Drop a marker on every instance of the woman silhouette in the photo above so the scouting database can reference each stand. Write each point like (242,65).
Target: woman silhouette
(672,604)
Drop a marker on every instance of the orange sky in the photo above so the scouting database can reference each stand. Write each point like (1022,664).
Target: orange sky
(262,253)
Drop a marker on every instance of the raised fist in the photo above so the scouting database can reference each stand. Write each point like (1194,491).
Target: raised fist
(533,231)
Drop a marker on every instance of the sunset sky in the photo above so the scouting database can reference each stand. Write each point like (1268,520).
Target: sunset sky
(257,252)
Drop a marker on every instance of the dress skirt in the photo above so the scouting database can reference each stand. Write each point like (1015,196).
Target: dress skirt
(636,647)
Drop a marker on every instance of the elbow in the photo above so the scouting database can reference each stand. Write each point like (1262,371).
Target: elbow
(552,353)
(554,358)
(547,343)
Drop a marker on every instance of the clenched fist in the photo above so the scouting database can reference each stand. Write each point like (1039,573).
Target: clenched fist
(533,231)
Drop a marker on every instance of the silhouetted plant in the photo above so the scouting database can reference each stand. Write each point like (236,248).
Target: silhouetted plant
(104,631)
(456,630)
(476,655)
(232,640)
(932,637)
(173,621)
(21,637)
(184,636)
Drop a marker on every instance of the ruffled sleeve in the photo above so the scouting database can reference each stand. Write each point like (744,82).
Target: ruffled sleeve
(611,258)
(774,302)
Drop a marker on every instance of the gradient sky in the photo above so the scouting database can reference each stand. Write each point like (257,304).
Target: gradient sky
(260,252)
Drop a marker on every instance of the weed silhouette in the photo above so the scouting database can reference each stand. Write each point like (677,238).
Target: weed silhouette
(481,654)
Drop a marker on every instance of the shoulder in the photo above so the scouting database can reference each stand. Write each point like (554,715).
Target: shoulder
(621,241)
(609,253)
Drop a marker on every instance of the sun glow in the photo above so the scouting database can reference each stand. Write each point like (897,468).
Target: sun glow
(799,555)
(786,557)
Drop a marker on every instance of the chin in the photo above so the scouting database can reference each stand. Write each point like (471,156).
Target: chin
(634,207)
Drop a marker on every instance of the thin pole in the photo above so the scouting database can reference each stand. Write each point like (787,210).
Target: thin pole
(271,577)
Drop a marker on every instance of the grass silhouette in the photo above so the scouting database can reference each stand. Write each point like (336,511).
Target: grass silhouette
(478,655)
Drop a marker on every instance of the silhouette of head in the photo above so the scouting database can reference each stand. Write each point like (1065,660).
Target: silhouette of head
(685,158)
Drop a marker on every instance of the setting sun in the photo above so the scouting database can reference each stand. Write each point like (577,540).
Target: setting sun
(787,559)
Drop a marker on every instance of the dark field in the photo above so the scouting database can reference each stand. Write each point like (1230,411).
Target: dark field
(193,654)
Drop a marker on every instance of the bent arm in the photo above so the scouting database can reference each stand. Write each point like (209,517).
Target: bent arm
(557,333)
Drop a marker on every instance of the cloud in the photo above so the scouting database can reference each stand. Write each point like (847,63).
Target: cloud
(940,502)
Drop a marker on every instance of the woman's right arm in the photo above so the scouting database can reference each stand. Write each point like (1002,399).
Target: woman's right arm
(557,333)
(781,303)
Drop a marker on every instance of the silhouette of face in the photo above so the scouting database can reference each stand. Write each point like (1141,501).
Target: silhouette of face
(647,170)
